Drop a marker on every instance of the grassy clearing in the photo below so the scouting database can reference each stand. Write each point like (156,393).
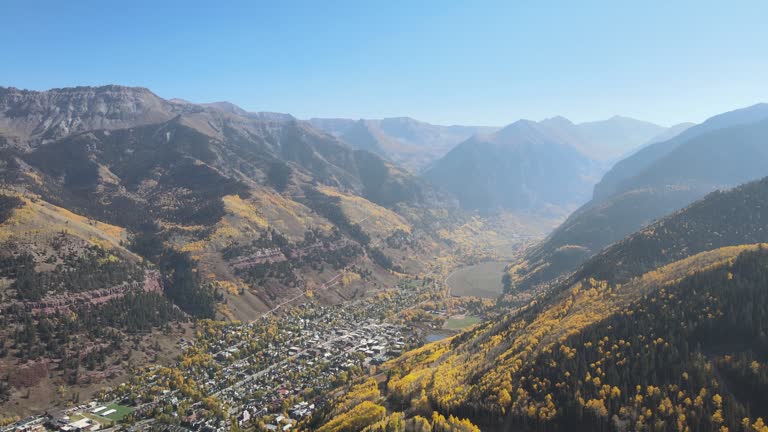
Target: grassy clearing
(40,219)
(479,280)
(460,323)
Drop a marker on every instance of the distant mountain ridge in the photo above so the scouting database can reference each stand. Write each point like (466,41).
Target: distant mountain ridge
(724,151)
(416,144)
(37,117)
(411,143)
(612,138)
(634,164)
(523,166)
(529,165)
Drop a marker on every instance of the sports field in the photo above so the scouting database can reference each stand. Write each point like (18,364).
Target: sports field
(120,412)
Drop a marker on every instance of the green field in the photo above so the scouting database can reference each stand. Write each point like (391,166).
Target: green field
(118,415)
(460,323)
(479,280)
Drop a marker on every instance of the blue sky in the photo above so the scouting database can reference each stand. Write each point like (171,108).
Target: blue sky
(448,62)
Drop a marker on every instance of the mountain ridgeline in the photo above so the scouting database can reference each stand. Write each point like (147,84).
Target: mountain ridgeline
(185,182)
(718,220)
(242,146)
(635,164)
(722,152)
(410,143)
(532,165)
(513,169)
(526,165)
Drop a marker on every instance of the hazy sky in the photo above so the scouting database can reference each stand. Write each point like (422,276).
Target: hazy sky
(471,62)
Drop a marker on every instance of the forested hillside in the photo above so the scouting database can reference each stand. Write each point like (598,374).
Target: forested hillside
(664,331)
(722,152)
(687,355)
(720,219)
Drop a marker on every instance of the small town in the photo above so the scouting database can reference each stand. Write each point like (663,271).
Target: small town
(264,375)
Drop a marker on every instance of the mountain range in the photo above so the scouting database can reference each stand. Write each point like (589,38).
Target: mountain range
(724,151)
(531,165)
(236,143)
(204,180)
(416,145)
(525,165)
(408,142)
(127,157)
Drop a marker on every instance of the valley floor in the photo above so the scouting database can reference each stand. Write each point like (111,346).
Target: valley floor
(478,280)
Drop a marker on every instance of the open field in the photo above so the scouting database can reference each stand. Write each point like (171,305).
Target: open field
(460,323)
(121,411)
(479,280)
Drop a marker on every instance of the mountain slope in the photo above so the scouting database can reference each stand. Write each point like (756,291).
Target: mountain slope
(408,142)
(249,146)
(669,133)
(673,340)
(719,158)
(612,138)
(718,220)
(636,163)
(253,142)
(526,165)
(211,182)
(38,117)
(33,218)
(366,135)
(181,185)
